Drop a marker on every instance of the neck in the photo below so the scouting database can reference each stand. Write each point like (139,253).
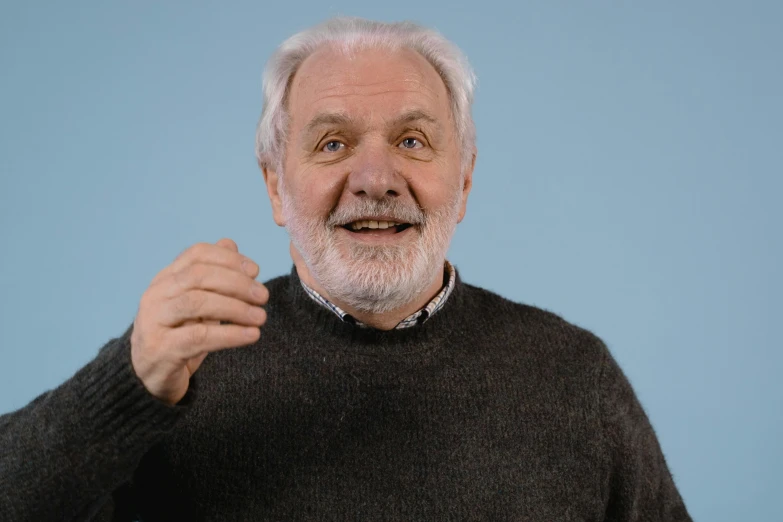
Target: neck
(381,321)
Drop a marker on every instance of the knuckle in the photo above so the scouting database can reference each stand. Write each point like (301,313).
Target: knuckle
(197,333)
(181,305)
(147,300)
(192,276)
(185,253)
(145,297)
(199,249)
(193,251)
(187,304)
(180,279)
(199,299)
(198,273)
(155,280)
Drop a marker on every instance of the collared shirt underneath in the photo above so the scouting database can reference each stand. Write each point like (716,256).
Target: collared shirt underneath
(415,318)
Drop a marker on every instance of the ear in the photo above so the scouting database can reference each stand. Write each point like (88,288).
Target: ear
(272,181)
(467,184)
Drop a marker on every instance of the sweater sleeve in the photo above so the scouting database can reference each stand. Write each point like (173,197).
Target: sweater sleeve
(68,454)
(639,485)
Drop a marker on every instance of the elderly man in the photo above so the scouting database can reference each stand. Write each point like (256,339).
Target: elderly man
(371,382)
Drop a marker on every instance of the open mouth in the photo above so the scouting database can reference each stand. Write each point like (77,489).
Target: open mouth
(375,227)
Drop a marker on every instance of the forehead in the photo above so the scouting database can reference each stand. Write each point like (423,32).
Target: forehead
(369,83)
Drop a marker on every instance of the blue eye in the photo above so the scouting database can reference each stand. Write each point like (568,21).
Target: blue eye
(410,143)
(333,146)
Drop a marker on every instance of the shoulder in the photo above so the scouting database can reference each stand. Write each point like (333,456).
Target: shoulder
(532,329)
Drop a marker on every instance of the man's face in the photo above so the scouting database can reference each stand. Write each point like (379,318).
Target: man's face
(371,138)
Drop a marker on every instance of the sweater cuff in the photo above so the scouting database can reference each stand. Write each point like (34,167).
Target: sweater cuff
(118,406)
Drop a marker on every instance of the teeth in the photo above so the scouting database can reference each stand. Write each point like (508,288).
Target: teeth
(358,225)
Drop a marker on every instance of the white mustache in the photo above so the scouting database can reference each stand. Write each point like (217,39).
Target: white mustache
(389,208)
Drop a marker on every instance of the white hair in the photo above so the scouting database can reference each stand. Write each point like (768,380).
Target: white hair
(350,34)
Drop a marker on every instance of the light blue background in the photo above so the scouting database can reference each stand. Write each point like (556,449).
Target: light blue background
(629,179)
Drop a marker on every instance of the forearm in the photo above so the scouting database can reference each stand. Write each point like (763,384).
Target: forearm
(72,446)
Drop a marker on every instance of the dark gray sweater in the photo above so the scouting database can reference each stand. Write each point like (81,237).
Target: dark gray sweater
(491,410)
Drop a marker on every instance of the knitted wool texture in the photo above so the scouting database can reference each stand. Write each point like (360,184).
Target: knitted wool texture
(491,410)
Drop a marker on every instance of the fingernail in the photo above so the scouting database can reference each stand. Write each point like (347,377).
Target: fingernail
(247,267)
(258,291)
(251,332)
(256,314)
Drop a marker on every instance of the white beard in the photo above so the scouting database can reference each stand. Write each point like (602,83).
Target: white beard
(372,279)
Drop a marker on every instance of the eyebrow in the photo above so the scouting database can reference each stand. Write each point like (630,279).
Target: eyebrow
(412,116)
(326,119)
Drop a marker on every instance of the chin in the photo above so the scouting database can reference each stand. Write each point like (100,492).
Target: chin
(375,283)
(372,278)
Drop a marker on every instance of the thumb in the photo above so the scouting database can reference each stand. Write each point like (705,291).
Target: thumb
(228,243)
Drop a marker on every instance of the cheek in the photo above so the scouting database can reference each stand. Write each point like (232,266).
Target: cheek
(315,191)
(321,195)
(436,192)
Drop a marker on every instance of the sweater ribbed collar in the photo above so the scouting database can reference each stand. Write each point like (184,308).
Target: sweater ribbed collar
(310,314)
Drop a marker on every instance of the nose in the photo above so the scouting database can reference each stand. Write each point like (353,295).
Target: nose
(374,175)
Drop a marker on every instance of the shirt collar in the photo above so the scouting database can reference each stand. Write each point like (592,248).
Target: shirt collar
(418,317)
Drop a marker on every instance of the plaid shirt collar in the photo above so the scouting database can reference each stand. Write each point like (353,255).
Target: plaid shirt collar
(415,318)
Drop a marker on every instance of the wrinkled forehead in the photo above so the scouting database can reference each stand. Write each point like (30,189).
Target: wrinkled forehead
(370,85)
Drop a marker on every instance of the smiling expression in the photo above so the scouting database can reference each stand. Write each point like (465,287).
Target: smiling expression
(372,180)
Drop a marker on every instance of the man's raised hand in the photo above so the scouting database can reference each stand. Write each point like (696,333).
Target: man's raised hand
(178,321)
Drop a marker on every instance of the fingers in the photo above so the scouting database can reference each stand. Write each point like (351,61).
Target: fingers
(206,300)
(214,279)
(200,304)
(206,253)
(198,338)
(228,243)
